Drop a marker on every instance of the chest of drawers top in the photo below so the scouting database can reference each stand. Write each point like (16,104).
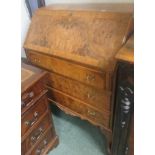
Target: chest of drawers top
(33,82)
(30,75)
(86,35)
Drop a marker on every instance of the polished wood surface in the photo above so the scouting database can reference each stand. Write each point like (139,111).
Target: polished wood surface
(25,74)
(43,145)
(30,75)
(126,53)
(98,98)
(37,132)
(35,113)
(101,117)
(80,36)
(86,75)
(123,130)
(105,7)
(31,94)
(124,109)
(131,137)
(78,46)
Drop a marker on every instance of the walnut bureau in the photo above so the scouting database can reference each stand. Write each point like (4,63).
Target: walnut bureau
(37,129)
(77,46)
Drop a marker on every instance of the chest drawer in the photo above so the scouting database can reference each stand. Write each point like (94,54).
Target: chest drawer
(79,108)
(31,93)
(23,148)
(30,117)
(37,133)
(95,97)
(68,69)
(43,144)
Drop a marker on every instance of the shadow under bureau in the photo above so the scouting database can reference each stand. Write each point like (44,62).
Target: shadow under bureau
(37,129)
(77,46)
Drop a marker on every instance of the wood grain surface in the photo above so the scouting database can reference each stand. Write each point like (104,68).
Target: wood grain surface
(126,53)
(88,37)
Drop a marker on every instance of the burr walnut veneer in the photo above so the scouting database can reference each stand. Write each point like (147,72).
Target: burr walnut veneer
(37,129)
(77,46)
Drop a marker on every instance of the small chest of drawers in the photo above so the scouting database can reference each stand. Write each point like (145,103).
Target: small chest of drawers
(38,135)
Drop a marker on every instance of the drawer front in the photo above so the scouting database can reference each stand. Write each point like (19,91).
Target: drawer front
(100,118)
(42,146)
(30,94)
(23,148)
(32,116)
(95,97)
(66,68)
(38,132)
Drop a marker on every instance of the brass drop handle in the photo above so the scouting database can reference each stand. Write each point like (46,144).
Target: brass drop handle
(36,60)
(90,77)
(90,96)
(31,122)
(40,150)
(37,135)
(92,113)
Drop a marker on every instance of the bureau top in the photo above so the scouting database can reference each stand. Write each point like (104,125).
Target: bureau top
(30,75)
(89,35)
(108,7)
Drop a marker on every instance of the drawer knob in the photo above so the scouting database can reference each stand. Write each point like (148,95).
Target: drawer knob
(26,95)
(27,123)
(36,60)
(31,122)
(40,150)
(92,113)
(37,135)
(90,96)
(45,142)
(35,114)
(90,77)
(31,94)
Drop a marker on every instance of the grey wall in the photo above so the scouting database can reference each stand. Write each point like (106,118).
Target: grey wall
(25,21)
(88,1)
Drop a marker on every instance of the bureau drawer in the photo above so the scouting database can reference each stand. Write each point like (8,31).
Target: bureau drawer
(38,132)
(30,117)
(79,108)
(69,69)
(95,97)
(30,94)
(43,144)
